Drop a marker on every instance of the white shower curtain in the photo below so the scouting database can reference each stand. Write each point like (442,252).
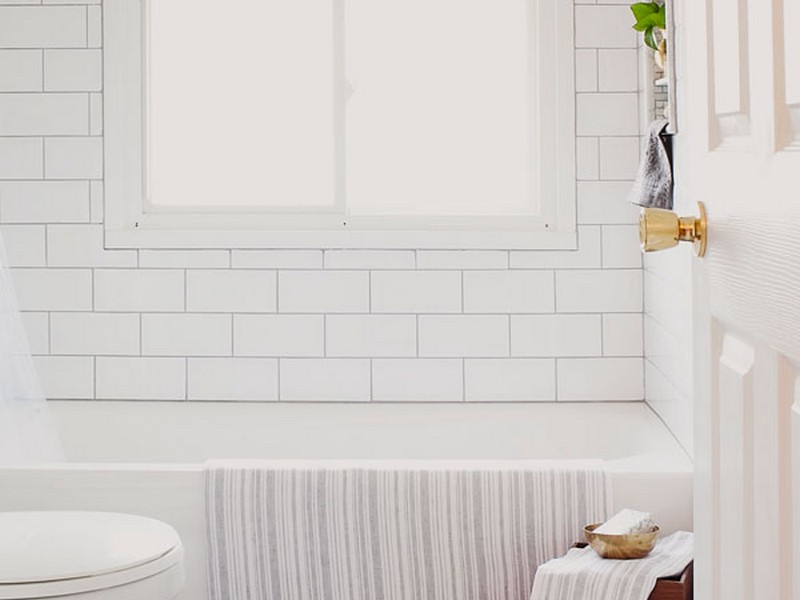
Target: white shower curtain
(27,432)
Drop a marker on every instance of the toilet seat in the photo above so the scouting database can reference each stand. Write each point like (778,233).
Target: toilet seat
(79,555)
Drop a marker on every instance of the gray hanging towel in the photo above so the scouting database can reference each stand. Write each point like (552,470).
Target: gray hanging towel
(654,184)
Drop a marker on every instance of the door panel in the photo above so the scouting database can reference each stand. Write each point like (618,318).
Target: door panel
(787,89)
(730,66)
(735,452)
(740,114)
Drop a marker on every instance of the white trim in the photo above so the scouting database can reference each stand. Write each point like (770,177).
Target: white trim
(128,225)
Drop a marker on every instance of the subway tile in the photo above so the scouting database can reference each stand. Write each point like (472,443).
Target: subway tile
(37,331)
(44,201)
(556,335)
(82,246)
(44,114)
(619,70)
(323,292)
(463,335)
(623,335)
(233,379)
(587,158)
(607,114)
(371,335)
(53,289)
(73,158)
(25,245)
(138,290)
(605,203)
(600,379)
(417,380)
(370,259)
(42,27)
(619,158)
(73,70)
(604,27)
(95,114)
(66,377)
(20,70)
(186,335)
(230,291)
(510,380)
(508,292)
(276,259)
(184,259)
(462,259)
(94,24)
(621,247)
(416,292)
(94,333)
(587,256)
(599,291)
(665,347)
(278,335)
(21,158)
(586,70)
(141,378)
(325,380)
(673,406)
(96,196)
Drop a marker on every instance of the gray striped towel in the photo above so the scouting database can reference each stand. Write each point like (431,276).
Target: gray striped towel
(583,575)
(386,530)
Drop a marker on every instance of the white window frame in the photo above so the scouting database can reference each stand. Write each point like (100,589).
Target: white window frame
(129,225)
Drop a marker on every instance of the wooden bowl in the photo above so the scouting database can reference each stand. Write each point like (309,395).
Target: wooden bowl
(637,545)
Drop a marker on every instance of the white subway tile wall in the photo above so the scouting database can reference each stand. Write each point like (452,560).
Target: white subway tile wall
(309,325)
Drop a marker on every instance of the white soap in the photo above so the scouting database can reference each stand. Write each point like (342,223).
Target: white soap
(627,522)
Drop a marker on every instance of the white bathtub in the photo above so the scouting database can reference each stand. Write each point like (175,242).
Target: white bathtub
(146,458)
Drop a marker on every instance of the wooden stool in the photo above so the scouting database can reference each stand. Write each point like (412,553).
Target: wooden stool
(678,587)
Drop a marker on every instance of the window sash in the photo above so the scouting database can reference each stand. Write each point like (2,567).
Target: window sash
(129,224)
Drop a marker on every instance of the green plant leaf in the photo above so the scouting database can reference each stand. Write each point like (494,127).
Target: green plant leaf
(649,14)
(643,10)
(650,38)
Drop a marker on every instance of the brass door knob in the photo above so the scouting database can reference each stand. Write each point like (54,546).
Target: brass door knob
(660,229)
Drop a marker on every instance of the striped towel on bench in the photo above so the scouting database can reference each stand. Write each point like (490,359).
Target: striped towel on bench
(583,575)
(361,530)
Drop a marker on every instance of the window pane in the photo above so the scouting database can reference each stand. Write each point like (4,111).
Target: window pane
(439,118)
(241,107)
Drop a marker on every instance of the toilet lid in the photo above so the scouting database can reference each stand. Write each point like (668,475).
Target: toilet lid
(54,546)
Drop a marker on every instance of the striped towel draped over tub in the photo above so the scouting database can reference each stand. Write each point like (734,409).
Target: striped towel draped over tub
(360,530)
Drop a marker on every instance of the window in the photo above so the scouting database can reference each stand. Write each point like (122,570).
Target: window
(339,123)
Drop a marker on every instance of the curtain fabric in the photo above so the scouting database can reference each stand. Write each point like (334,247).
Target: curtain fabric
(27,432)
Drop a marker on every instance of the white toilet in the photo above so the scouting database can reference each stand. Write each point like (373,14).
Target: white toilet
(88,556)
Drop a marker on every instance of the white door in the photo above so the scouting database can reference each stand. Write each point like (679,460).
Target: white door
(740,126)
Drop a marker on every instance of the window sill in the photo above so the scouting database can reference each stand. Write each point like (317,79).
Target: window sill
(351,239)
